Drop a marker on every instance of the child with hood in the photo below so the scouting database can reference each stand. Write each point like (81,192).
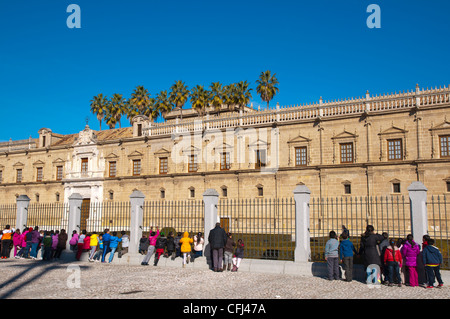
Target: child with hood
(74,241)
(186,247)
(17,242)
(393,261)
(152,243)
(410,251)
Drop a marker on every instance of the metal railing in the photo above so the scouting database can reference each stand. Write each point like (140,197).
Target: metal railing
(8,214)
(438,226)
(112,215)
(175,216)
(390,214)
(267,226)
(48,216)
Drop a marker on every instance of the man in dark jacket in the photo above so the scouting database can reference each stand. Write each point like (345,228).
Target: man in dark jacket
(217,239)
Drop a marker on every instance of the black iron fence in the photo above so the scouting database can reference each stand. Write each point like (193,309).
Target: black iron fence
(438,210)
(175,216)
(267,226)
(112,215)
(389,214)
(48,216)
(8,215)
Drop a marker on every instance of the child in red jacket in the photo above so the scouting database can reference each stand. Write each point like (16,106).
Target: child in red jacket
(393,260)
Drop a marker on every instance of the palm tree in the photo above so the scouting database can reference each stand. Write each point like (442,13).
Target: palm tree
(243,95)
(131,111)
(140,99)
(230,95)
(267,86)
(179,95)
(217,96)
(151,111)
(99,106)
(200,99)
(118,107)
(163,103)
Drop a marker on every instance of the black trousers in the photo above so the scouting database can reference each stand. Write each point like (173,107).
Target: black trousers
(6,244)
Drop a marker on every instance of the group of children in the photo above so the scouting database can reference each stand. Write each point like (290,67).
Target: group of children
(28,242)
(99,245)
(188,248)
(392,256)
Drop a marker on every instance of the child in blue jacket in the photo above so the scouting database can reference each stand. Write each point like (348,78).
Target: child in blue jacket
(113,244)
(432,259)
(346,251)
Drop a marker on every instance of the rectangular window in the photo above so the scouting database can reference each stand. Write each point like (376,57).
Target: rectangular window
(43,141)
(445,145)
(57,197)
(1,176)
(59,173)
(260,191)
(112,169)
(139,130)
(448,186)
(300,156)
(19,176)
(224,161)
(192,192)
(136,167)
(39,173)
(225,192)
(260,159)
(192,167)
(163,165)
(84,166)
(346,152)
(347,189)
(163,193)
(395,149)
(396,187)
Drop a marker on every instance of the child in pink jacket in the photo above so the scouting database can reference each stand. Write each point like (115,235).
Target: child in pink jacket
(410,251)
(17,241)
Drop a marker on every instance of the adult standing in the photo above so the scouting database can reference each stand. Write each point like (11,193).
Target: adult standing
(217,239)
(370,250)
(62,241)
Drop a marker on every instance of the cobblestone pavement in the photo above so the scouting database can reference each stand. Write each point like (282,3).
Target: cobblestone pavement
(26,279)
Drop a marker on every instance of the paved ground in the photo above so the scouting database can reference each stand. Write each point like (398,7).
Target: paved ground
(26,279)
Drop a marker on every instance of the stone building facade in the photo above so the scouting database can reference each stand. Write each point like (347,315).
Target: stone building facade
(373,145)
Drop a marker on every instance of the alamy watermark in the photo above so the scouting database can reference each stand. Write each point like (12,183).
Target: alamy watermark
(74,278)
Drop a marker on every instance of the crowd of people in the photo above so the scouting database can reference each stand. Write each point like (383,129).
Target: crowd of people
(227,254)
(399,261)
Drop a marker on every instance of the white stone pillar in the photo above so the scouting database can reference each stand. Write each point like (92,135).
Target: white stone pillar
(211,200)
(75,202)
(418,204)
(302,196)
(136,214)
(23,201)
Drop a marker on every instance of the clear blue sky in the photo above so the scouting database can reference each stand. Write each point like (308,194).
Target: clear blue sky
(49,73)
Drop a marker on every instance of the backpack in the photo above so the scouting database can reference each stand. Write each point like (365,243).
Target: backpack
(74,240)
